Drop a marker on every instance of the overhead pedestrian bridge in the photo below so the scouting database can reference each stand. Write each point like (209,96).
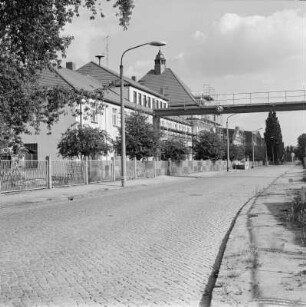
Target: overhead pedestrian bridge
(241,103)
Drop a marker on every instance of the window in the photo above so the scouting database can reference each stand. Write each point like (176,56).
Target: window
(149,102)
(165,105)
(134,97)
(153,103)
(31,156)
(94,113)
(139,98)
(114,117)
(144,100)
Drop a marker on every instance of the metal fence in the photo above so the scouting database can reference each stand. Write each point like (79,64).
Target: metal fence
(260,97)
(67,172)
(27,175)
(22,175)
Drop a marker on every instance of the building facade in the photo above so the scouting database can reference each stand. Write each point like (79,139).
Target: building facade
(89,78)
(164,81)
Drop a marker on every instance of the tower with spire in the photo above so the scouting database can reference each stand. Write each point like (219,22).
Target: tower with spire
(160,63)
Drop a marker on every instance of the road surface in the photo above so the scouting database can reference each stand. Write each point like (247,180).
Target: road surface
(140,246)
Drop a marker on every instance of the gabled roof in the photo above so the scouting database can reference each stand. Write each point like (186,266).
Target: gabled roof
(49,78)
(77,80)
(106,76)
(170,85)
(71,79)
(68,79)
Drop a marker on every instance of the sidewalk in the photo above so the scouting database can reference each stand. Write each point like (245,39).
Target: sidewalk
(69,193)
(265,258)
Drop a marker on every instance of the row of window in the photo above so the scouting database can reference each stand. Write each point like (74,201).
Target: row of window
(115,117)
(173,125)
(166,124)
(147,101)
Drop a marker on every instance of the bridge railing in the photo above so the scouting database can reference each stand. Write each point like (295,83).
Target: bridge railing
(259,97)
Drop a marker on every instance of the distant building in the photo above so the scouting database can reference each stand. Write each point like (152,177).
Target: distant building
(139,94)
(244,138)
(164,81)
(88,78)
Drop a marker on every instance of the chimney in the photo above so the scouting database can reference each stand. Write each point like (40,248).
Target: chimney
(134,78)
(70,65)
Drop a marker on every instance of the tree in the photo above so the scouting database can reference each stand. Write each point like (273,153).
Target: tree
(273,138)
(300,150)
(174,149)
(236,152)
(31,41)
(288,153)
(141,139)
(84,142)
(207,145)
(10,144)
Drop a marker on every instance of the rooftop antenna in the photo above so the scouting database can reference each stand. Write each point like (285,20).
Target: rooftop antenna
(99,57)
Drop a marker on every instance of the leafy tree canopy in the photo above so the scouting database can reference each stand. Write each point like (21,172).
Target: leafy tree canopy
(174,149)
(30,41)
(300,150)
(84,142)
(31,29)
(141,139)
(236,152)
(208,145)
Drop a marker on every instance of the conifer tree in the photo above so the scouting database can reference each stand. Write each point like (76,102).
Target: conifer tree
(273,138)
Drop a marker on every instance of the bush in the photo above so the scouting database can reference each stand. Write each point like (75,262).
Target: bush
(298,208)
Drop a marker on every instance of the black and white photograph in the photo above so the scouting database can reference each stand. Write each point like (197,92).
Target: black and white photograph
(152,153)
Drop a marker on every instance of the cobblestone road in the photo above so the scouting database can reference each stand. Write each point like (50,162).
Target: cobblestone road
(143,246)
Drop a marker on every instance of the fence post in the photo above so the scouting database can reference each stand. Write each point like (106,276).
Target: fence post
(49,172)
(135,168)
(113,168)
(154,166)
(86,170)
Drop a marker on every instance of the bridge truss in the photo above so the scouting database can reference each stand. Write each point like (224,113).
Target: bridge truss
(241,103)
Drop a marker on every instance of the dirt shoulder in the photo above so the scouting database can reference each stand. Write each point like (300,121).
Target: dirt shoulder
(265,258)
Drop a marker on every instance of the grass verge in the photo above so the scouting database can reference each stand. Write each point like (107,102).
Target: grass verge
(297,212)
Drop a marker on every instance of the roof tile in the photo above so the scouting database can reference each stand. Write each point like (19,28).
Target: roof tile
(170,85)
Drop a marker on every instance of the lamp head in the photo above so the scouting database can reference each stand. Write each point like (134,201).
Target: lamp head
(157,44)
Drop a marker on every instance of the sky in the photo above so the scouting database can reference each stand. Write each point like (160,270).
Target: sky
(228,46)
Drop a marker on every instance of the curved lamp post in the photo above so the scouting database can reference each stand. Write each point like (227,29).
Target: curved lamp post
(253,161)
(123,149)
(227,141)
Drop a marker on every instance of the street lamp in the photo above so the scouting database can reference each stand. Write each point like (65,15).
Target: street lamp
(123,149)
(227,141)
(253,162)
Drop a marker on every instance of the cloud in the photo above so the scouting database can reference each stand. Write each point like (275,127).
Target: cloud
(89,37)
(249,44)
(199,36)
